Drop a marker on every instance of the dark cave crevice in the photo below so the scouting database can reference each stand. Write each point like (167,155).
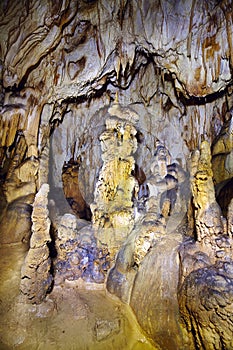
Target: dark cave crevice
(202,100)
(52,255)
(72,191)
(224,196)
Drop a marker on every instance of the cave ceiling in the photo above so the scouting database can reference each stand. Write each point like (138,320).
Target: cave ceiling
(64,61)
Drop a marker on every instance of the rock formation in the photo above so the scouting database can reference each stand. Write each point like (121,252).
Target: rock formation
(230,219)
(205,296)
(36,274)
(208,220)
(113,213)
(70,177)
(148,245)
(206,305)
(77,255)
(116,158)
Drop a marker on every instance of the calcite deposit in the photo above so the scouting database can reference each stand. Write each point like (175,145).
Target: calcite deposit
(77,255)
(208,216)
(36,276)
(206,305)
(116,171)
(113,213)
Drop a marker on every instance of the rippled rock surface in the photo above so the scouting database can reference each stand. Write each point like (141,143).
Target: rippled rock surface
(206,305)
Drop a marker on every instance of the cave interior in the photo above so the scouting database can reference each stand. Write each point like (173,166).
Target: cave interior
(116,174)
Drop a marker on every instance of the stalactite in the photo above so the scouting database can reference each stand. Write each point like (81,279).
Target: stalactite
(189,40)
(227,9)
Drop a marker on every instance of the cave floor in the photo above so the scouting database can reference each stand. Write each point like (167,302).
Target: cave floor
(74,315)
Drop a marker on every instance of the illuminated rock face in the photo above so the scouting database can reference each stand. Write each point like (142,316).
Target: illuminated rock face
(209,223)
(206,290)
(125,109)
(113,213)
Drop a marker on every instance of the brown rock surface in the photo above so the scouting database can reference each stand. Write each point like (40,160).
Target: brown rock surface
(156,306)
(70,180)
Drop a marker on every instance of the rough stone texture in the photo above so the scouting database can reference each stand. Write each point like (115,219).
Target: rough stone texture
(208,216)
(62,64)
(70,180)
(202,68)
(146,273)
(230,219)
(113,213)
(206,303)
(205,292)
(36,277)
(105,328)
(77,256)
(222,151)
(183,52)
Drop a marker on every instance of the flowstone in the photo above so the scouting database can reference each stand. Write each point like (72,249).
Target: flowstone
(150,254)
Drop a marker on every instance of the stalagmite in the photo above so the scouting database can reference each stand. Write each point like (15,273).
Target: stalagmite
(36,277)
(207,212)
(116,185)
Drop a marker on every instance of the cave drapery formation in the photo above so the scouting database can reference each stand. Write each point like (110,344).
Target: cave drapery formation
(116,159)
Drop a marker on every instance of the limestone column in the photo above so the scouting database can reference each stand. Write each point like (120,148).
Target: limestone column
(113,212)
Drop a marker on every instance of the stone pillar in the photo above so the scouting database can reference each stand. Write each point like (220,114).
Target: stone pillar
(36,278)
(113,213)
(208,214)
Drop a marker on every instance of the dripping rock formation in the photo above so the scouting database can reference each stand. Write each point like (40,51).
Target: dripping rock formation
(116,173)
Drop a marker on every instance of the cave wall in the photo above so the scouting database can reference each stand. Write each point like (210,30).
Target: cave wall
(48,67)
